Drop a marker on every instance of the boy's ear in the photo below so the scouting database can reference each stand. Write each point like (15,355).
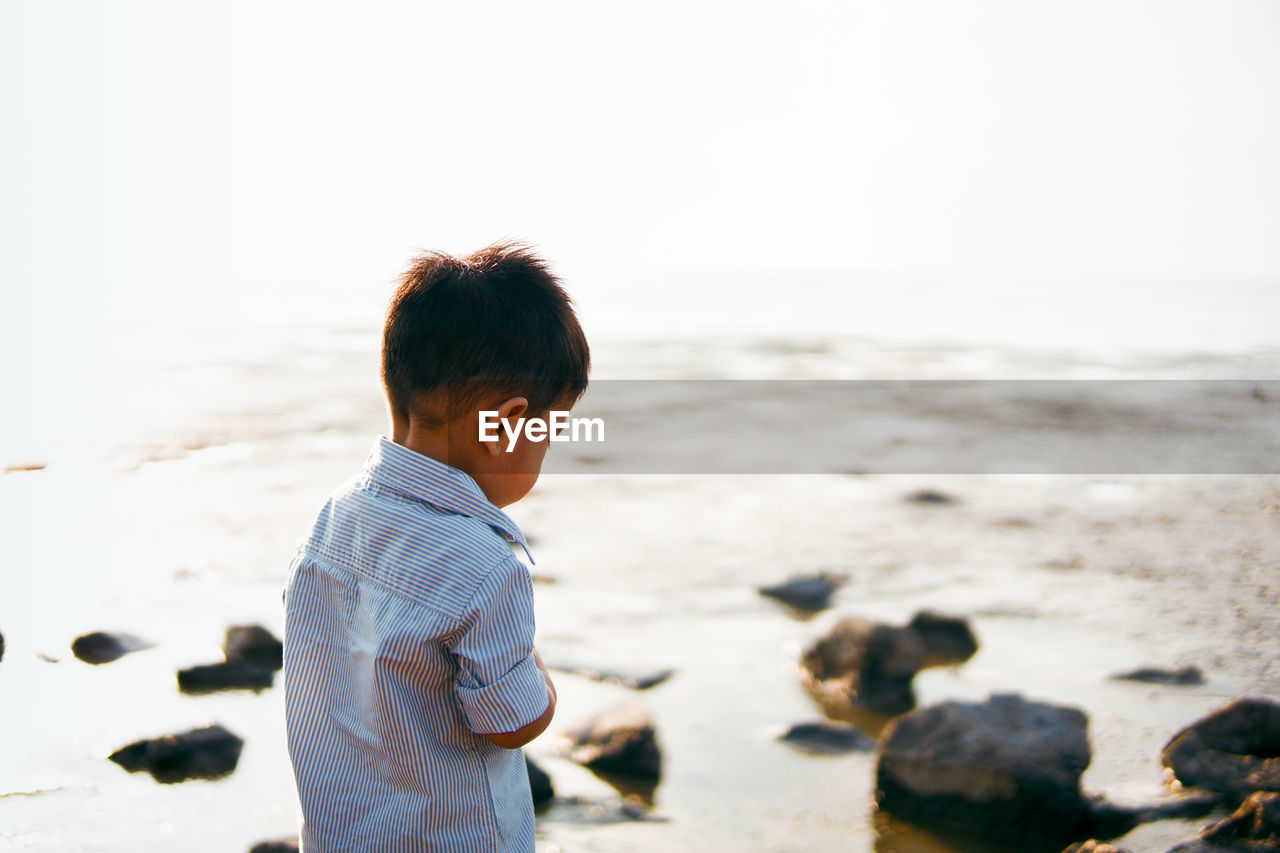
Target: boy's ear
(510,410)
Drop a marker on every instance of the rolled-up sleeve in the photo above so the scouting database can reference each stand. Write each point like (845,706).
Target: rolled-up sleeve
(499,686)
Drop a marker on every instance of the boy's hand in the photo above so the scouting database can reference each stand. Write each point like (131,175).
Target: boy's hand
(521,736)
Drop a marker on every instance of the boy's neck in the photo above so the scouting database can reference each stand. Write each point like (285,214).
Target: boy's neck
(429,441)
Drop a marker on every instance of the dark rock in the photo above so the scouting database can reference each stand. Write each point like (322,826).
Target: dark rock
(1255,824)
(947,639)
(1,646)
(1254,827)
(1004,772)
(228,675)
(253,644)
(1186,675)
(872,663)
(1235,750)
(620,740)
(1201,846)
(929,496)
(101,647)
(1108,820)
(539,783)
(283,845)
(621,678)
(825,738)
(806,592)
(206,753)
(1094,846)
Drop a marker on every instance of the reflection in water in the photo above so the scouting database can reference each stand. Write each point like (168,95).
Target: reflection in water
(589,811)
(633,790)
(832,698)
(895,836)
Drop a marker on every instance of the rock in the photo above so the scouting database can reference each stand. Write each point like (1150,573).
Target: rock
(283,845)
(1254,827)
(1255,824)
(228,675)
(929,496)
(253,644)
(1108,820)
(1186,675)
(1235,750)
(1,646)
(621,678)
(100,647)
(947,639)
(806,592)
(825,738)
(539,783)
(1094,846)
(1004,772)
(1199,846)
(206,753)
(620,740)
(252,655)
(872,663)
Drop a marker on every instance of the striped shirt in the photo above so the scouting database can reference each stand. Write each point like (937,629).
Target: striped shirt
(408,634)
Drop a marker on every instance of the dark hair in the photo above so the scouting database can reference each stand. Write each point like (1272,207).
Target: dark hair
(494,322)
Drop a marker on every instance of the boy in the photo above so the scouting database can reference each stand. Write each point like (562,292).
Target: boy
(411,680)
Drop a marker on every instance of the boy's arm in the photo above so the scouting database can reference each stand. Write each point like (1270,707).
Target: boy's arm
(502,685)
(521,736)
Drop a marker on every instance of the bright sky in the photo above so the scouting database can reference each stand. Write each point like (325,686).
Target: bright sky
(261,141)
(203,155)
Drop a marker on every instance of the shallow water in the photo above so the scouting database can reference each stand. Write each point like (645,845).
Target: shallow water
(179,520)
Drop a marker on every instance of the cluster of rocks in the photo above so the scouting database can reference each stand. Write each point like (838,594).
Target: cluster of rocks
(1003,775)
(252,656)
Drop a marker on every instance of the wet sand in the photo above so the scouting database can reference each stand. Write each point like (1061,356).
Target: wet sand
(1066,580)
(183,523)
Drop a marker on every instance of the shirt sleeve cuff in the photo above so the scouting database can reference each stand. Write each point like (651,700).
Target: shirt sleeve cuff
(508,704)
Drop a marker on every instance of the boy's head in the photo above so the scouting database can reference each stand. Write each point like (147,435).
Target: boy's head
(464,334)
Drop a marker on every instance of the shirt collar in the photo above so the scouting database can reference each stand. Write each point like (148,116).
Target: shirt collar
(432,481)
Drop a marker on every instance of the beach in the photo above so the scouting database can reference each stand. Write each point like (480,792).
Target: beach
(185,522)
